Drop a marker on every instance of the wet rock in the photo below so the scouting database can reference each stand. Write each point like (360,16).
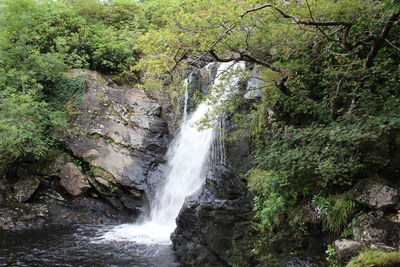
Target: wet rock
(121,198)
(86,210)
(25,188)
(17,216)
(207,220)
(155,179)
(346,249)
(375,194)
(72,179)
(377,228)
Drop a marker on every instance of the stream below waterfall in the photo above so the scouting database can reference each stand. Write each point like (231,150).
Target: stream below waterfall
(78,245)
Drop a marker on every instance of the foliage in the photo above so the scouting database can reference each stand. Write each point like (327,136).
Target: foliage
(375,258)
(26,126)
(336,212)
(332,259)
(65,89)
(39,42)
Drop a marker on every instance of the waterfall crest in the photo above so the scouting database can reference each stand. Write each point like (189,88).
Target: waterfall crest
(187,162)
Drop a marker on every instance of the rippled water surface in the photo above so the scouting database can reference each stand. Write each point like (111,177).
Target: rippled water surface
(78,246)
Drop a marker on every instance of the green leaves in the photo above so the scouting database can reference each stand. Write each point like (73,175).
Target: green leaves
(25,126)
(39,41)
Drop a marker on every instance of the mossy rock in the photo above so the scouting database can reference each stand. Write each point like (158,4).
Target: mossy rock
(376,258)
(103,181)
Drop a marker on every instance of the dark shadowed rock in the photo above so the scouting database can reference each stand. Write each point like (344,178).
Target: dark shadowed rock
(377,228)
(54,166)
(375,194)
(25,188)
(206,225)
(155,180)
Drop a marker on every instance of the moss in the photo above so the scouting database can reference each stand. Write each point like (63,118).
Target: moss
(101,96)
(375,258)
(96,171)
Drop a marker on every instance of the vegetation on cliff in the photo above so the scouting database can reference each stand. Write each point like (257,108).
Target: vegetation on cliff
(39,42)
(329,73)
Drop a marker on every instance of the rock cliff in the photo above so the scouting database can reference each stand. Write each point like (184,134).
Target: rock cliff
(116,138)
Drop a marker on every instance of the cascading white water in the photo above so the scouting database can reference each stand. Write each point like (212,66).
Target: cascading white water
(187,160)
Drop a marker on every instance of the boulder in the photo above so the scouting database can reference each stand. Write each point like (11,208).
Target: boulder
(72,179)
(375,194)
(209,220)
(346,249)
(377,228)
(128,168)
(25,188)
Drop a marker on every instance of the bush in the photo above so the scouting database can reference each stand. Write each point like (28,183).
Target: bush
(27,126)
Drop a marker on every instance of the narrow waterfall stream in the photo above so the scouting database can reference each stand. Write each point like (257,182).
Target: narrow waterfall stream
(187,159)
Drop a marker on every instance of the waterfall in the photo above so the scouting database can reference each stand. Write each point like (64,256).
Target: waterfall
(187,159)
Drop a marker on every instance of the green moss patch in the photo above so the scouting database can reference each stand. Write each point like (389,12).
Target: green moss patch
(375,258)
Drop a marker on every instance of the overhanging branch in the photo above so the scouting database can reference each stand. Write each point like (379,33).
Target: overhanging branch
(280,83)
(380,40)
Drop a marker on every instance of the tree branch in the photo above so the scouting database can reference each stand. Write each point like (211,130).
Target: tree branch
(380,40)
(255,9)
(313,23)
(280,83)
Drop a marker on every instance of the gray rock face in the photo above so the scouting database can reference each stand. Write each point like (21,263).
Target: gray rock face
(208,221)
(25,188)
(346,249)
(119,129)
(375,194)
(72,179)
